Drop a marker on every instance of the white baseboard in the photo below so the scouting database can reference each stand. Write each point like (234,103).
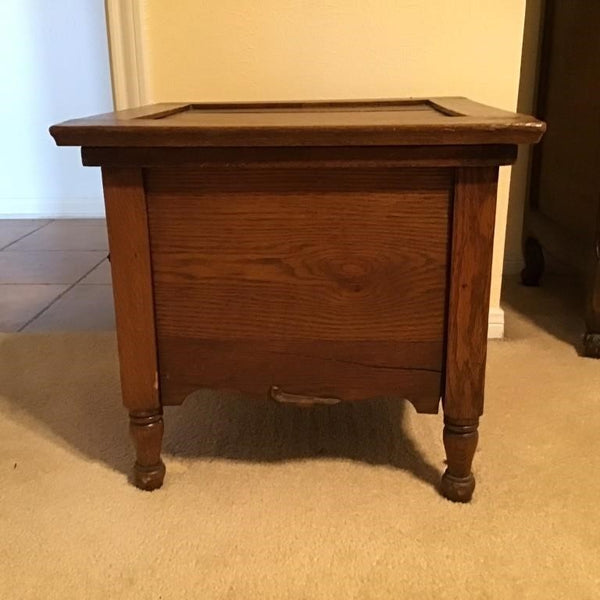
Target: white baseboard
(44,208)
(52,216)
(496,324)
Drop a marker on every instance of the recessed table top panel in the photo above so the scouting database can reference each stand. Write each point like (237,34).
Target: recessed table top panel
(282,115)
(426,121)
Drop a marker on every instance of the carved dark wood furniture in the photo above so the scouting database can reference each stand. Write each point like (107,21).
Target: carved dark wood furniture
(308,251)
(562,220)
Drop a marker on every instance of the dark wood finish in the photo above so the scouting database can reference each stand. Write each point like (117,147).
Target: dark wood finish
(147,428)
(534,262)
(470,272)
(591,339)
(304,157)
(134,310)
(591,344)
(430,121)
(331,252)
(346,370)
(562,216)
(460,443)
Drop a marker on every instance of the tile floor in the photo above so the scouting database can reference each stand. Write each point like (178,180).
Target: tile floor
(54,276)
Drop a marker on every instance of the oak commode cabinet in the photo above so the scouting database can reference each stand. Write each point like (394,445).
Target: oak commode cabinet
(308,252)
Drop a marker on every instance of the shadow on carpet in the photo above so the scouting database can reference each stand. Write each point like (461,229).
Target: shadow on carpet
(68,384)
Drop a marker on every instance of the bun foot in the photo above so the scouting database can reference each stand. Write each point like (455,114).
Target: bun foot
(591,345)
(146,429)
(149,478)
(534,263)
(457,489)
(460,441)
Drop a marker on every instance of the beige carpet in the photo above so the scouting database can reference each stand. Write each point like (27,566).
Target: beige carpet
(274,502)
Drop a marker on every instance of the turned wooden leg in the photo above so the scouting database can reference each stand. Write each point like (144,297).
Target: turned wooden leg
(471,263)
(127,220)
(460,442)
(146,428)
(534,262)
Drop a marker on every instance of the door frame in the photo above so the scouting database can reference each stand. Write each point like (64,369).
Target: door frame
(125,40)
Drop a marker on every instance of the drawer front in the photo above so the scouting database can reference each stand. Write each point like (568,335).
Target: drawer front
(324,282)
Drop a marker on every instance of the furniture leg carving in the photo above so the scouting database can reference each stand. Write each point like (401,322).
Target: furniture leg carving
(473,227)
(146,429)
(460,442)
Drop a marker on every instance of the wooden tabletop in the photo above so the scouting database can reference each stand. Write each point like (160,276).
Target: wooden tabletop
(412,121)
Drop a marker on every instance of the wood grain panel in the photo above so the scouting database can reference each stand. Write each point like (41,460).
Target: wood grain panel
(346,370)
(247,254)
(323,283)
(132,286)
(470,272)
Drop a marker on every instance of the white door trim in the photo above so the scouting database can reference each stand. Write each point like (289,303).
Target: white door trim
(124,23)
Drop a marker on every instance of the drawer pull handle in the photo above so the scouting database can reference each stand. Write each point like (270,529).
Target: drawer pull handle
(299,399)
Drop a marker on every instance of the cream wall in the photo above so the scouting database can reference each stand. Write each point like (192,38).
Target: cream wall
(218,50)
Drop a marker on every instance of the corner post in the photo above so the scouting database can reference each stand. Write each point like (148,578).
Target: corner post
(474,214)
(126,216)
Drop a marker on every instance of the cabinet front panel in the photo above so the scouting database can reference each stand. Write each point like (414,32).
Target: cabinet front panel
(321,282)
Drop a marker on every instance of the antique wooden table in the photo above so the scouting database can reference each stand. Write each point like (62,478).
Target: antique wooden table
(313,252)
